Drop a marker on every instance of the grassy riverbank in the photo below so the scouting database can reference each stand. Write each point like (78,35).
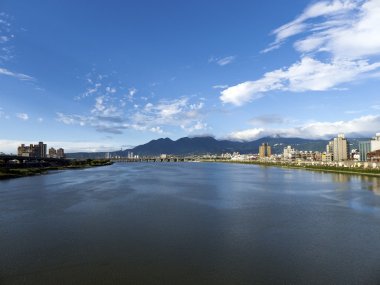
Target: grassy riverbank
(321,168)
(7,173)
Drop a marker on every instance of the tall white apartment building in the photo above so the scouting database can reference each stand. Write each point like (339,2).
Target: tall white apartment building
(340,148)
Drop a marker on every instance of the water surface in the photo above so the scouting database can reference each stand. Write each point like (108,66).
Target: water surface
(190,223)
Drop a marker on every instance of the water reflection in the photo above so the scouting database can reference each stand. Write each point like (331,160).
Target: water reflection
(371,183)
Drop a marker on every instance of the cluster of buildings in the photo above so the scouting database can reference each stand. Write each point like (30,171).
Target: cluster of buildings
(40,151)
(337,152)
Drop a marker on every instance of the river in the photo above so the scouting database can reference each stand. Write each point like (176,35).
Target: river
(190,223)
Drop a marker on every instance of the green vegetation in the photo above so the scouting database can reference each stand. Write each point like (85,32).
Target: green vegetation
(6,173)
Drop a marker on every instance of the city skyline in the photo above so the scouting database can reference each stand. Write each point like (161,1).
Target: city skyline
(113,75)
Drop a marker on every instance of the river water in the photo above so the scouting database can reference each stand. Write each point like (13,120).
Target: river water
(190,223)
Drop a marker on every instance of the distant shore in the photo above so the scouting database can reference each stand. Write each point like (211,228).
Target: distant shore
(8,173)
(320,168)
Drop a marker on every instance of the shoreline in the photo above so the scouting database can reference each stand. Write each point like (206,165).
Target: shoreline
(11,173)
(329,169)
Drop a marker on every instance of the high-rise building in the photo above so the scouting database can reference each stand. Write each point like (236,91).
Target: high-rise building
(289,153)
(265,150)
(41,152)
(60,153)
(341,148)
(52,152)
(130,154)
(330,147)
(364,149)
(34,150)
(375,142)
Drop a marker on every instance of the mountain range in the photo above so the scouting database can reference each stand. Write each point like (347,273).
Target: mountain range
(204,145)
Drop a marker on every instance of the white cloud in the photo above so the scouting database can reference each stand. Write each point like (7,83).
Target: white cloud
(306,75)
(362,126)
(347,31)
(178,113)
(107,116)
(220,86)
(222,61)
(157,130)
(90,90)
(22,116)
(6,49)
(197,127)
(247,135)
(330,10)
(19,76)
(110,89)
(132,92)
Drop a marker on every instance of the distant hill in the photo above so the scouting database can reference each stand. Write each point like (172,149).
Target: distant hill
(204,145)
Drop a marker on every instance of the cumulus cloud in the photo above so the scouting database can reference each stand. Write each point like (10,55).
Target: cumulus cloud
(178,113)
(346,31)
(364,126)
(306,75)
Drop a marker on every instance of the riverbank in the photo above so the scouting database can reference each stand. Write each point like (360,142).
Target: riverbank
(8,173)
(320,168)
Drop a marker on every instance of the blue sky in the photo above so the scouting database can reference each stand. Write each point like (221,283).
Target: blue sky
(104,75)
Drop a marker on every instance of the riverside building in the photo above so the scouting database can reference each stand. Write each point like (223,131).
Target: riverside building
(39,151)
(340,148)
(375,142)
(364,149)
(265,150)
(36,150)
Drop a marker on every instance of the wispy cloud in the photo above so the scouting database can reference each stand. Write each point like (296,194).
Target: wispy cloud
(22,116)
(346,31)
(6,36)
(271,119)
(222,61)
(364,126)
(334,12)
(20,76)
(220,86)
